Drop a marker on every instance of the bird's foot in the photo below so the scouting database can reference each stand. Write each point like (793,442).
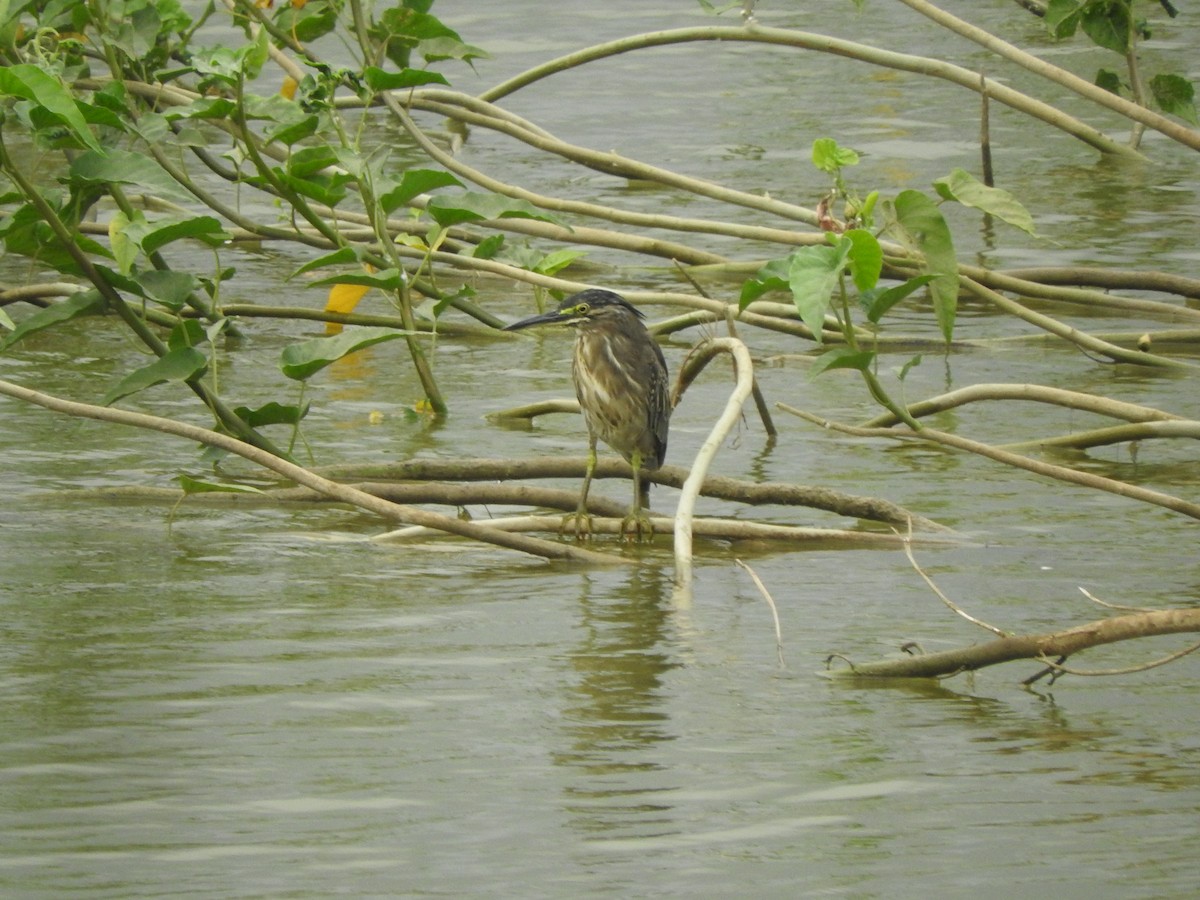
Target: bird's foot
(579,522)
(637,526)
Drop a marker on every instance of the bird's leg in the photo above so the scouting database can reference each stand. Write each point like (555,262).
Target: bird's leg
(581,520)
(637,522)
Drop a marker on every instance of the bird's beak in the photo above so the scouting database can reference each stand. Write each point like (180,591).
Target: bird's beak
(554,317)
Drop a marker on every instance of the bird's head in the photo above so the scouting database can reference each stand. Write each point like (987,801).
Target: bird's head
(588,307)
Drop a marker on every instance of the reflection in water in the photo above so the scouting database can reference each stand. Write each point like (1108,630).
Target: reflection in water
(614,719)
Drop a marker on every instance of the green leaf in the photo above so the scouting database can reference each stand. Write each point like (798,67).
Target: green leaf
(202,228)
(437,49)
(179,364)
(920,226)
(338,257)
(384,279)
(380,80)
(1175,95)
(127,168)
(1108,25)
(865,257)
(773,276)
(960,185)
(124,249)
(327,188)
(85,303)
(310,160)
(293,132)
(195,486)
(908,367)
(299,361)
(878,301)
(308,21)
(187,333)
(30,82)
(555,262)
(1062,18)
(812,276)
(489,247)
(171,289)
(1109,80)
(842,358)
(271,414)
(829,157)
(470,206)
(412,184)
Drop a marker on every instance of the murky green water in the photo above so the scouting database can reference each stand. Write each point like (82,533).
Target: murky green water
(257,701)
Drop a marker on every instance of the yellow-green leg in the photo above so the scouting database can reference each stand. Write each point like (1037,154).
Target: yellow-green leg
(637,522)
(581,520)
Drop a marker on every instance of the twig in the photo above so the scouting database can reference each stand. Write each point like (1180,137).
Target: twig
(762,589)
(1058,668)
(1115,606)
(938,593)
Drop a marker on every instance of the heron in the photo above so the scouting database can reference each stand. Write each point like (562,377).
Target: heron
(621,383)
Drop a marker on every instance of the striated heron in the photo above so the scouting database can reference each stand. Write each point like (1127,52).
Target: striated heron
(621,383)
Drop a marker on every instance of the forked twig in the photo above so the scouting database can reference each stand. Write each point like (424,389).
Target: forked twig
(1054,669)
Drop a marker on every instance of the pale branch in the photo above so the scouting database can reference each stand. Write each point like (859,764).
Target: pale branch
(553,204)
(1080,338)
(1092,299)
(1176,132)
(1108,279)
(975,393)
(762,589)
(726,422)
(1041,646)
(1116,434)
(823,43)
(331,489)
(618,166)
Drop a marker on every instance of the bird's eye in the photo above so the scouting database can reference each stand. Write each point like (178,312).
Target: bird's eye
(582,309)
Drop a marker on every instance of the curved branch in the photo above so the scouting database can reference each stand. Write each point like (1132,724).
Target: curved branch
(1093,92)
(708,450)
(805,40)
(1039,393)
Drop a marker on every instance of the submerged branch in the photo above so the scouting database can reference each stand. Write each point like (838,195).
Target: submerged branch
(715,486)
(331,489)
(1049,470)
(1030,646)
